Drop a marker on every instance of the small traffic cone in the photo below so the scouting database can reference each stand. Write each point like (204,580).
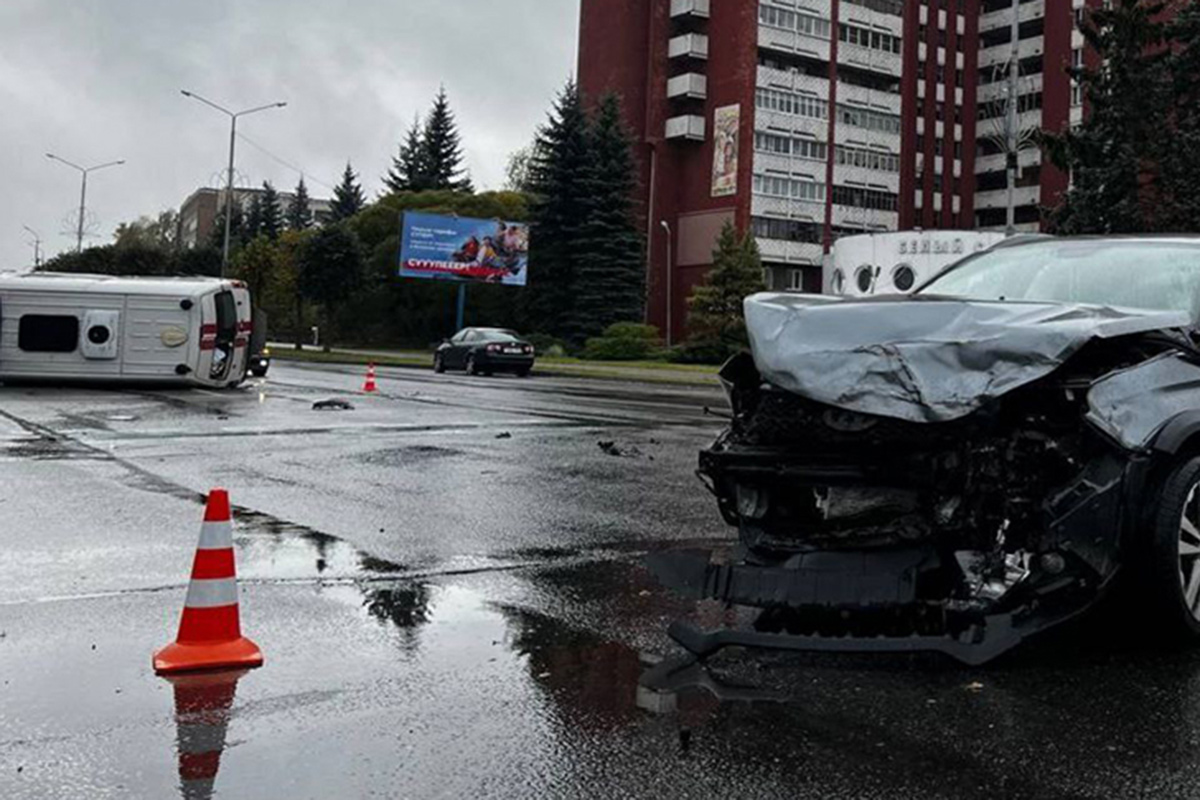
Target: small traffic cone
(203,709)
(210,633)
(369,387)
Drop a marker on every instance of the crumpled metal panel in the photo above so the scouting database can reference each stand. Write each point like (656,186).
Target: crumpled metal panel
(923,360)
(1134,404)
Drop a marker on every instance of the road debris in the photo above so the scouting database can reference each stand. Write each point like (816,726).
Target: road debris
(332,405)
(613,449)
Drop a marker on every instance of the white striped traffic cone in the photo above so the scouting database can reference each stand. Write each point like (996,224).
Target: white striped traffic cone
(210,633)
(369,386)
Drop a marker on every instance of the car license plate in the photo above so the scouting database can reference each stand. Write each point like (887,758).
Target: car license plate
(513,351)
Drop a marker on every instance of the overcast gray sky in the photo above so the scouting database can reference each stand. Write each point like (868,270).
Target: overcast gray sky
(97,80)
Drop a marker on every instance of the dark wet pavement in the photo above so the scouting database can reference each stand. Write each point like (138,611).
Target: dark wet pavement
(446,613)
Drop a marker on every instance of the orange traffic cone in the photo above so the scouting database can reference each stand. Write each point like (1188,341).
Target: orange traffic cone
(369,387)
(203,708)
(210,633)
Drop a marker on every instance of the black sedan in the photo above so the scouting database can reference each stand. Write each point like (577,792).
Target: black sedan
(485,351)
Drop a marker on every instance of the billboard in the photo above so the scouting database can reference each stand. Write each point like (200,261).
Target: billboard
(464,249)
(726,122)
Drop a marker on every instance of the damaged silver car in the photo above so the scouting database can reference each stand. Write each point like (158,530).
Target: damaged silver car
(958,469)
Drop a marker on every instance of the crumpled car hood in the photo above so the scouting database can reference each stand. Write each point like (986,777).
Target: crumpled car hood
(928,360)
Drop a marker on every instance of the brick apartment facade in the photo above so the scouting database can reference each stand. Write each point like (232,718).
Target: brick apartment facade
(806,120)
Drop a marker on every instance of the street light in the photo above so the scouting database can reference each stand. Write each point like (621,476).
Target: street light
(82,190)
(37,246)
(233,117)
(667,227)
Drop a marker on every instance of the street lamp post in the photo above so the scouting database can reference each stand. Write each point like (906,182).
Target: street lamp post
(1012,161)
(37,246)
(233,118)
(666,226)
(82,190)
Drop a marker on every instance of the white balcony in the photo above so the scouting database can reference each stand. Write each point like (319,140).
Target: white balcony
(688,127)
(1023,196)
(689,8)
(692,85)
(689,45)
(1003,18)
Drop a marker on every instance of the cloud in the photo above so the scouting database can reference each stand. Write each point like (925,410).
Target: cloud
(94,81)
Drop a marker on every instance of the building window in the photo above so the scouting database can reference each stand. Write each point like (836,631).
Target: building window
(882,6)
(857,197)
(795,147)
(790,188)
(904,277)
(795,280)
(867,159)
(853,34)
(791,21)
(800,105)
(786,230)
(44,333)
(871,120)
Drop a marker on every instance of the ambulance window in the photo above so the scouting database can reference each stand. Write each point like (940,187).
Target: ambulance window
(226,316)
(44,333)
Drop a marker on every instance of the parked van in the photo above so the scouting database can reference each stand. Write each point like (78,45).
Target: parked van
(192,331)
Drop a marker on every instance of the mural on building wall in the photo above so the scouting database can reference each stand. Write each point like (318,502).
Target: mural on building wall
(726,124)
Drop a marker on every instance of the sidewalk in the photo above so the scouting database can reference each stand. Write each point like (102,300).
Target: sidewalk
(648,372)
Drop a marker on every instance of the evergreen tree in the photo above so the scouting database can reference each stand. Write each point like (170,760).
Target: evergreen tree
(329,269)
(271,224)
(1180,206)
(299,211)
(441,150)
(348,198)
(237,227)
(254,219)
(409,172)
(559,211)
(716,317)
(610,272)
(1112,158)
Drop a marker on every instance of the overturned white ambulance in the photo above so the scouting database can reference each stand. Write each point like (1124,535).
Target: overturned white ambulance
(63,327)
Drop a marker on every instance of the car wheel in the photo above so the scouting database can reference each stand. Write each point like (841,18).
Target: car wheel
(472,367)
(1174,563)
(439,364)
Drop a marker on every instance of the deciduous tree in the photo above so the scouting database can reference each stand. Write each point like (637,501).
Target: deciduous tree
(330,268)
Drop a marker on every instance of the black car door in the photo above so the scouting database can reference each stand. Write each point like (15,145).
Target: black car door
(457,354)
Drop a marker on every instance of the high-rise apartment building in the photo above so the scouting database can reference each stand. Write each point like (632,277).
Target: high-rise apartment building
(805,120)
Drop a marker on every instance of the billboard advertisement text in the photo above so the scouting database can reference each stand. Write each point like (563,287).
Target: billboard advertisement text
(463,249)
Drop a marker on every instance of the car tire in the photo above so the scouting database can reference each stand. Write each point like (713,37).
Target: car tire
(1173,563)
(439,364)
(472,367)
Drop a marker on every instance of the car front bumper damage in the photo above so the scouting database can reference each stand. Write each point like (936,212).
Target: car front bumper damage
(843,583)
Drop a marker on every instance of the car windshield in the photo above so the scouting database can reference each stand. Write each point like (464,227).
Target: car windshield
(1161,276)
(497,336)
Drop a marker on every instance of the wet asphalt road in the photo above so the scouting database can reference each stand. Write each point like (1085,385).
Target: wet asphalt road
(446,583)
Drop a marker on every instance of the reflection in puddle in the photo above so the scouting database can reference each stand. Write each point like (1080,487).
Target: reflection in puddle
(203,710)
